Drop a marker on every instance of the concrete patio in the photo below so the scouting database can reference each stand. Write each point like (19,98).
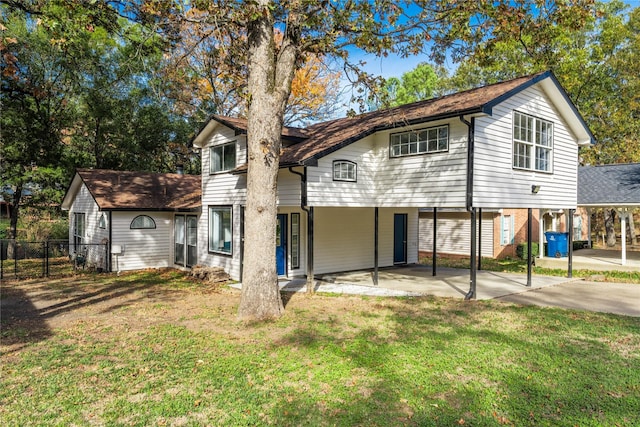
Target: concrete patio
(415,280)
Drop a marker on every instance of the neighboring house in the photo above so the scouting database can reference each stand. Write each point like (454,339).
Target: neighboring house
(144,220)
(614,186)
(350,190)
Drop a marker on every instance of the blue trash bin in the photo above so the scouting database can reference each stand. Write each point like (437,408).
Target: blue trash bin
(557,244)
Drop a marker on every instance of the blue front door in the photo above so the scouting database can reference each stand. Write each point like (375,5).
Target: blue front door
(281,245)
(400,239)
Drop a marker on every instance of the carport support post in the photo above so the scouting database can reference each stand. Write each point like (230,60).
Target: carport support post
(479,238)
(310,279)
(375,250)
(570,243)
(435,237)
(472,262)
(529,236)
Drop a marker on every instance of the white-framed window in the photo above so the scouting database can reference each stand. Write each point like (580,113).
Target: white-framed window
(78,229)
(344,170)
(429,140)
(220,229)
(577,227)
(295,240)
(532,143)
(223,157)
(102,222)
(142,222)
(507,235)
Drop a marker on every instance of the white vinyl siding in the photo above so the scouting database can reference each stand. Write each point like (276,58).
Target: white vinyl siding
(454,233)
(344,238)
(142,248)
(385,181)
(497,184)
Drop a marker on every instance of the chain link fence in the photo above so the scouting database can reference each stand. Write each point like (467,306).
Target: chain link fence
(25,260)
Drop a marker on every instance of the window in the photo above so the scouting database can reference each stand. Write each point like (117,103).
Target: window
(102,222)
(223,157)
(577,227)
(143,222)
(506,230)
(78,229)
(344,170)
(532,143)
(220,231)
(295,240)
(430,140)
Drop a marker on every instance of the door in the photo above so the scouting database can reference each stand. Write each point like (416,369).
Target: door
(179,239)
(400,238)
(192,241)
(281,245)
(185,240)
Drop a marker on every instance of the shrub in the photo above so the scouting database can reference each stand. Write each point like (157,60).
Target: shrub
(521,250)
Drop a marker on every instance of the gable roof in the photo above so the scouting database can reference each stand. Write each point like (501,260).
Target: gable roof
(321,139)
(609,185)
(125,190)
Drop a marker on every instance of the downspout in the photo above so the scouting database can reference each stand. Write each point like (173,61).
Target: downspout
(109,256)
(469,205)
(309,212)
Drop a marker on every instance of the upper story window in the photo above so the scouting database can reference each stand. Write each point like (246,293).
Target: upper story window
(102,222)
(142,221)
(344,170)
(431,140)
(223,157)
(532,143)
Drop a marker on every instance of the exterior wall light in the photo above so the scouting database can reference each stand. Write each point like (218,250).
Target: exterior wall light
(535,189)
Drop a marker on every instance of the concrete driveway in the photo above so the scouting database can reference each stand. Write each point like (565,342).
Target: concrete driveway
(603,297)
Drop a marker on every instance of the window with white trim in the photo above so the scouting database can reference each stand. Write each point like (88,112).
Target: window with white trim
(143,222)
(532,143)
(295,240)
(223,157)
(430,140)
(344,170)
(220,229)
(507,235)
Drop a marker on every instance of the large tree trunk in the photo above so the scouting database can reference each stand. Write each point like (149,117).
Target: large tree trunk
(15,212)
(609,226)
(269,85)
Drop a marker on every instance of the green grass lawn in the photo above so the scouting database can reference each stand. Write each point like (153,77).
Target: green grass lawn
(157,349)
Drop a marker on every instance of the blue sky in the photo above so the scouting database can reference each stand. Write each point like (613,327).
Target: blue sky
(394,66)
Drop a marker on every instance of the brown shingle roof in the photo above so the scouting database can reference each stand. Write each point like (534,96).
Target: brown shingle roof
(125,190)
(323,138)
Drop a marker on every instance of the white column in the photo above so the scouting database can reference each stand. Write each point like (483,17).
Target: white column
(554,222)
(623,227)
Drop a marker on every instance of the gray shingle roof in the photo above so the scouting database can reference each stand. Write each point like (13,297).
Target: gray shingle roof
(609,185)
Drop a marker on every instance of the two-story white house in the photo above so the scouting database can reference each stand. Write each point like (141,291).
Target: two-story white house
(350,190)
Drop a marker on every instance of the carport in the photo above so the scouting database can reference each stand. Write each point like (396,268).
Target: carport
(610,187)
